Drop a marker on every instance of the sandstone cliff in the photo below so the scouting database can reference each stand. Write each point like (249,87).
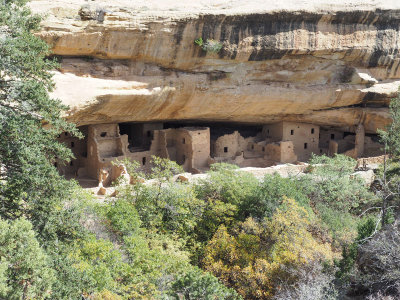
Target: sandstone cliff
(333,63)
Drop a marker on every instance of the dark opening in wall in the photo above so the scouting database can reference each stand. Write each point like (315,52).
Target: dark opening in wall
(252,147)
(144,161)
(71,163)
(226,149)
(148,133)
(103,134)
(72,144)
(183,141)
(84,154)
(66,133)
(312,130)
(305,145)
(332,136)
(55,164)
(263,149)
(320,150)
(291,132)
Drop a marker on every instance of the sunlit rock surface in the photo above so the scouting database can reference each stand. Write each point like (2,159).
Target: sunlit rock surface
(334,63)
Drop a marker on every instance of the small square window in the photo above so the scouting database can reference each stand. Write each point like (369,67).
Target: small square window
(291,132)
(103,134)
(226,149)
(305,145)
(312,130)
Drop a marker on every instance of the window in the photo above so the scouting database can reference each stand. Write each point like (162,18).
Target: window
(305,145)
(183,141)
(252,147)
(332,136)
(143,161)
(103,134)
(291,132)
(263,149)
(312,130)
(226,149)
(66,134)
(149,133)
(72,144)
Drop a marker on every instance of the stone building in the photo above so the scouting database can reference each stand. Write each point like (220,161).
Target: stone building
(195,149)
(305,137)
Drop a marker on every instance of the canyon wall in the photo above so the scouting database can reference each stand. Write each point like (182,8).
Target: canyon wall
(334,63)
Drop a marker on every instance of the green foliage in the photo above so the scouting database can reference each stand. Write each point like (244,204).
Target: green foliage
(210,45)
(197,285)
(24,267)
(346,265)
(335,194)
(227,184)
(163,169)
(269,195)
(391,137)
(123,217)
(30,185)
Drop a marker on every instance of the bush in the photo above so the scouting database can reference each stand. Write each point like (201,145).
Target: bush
(123,217)
(256,257)
(197,285)
(269,195)
(25,271)
(210,45)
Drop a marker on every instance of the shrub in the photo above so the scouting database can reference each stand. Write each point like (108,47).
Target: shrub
(257,256)
(210,45)
(123,217)
(269,195)
(197,285)
(25,271)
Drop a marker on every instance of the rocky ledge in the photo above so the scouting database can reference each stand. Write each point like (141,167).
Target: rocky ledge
(335,63)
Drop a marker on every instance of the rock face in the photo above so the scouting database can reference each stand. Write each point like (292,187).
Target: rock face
(331,64)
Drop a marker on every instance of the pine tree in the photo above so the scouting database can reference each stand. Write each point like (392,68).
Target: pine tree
(30,121)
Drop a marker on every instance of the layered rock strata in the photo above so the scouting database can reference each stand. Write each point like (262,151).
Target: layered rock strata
(331,64)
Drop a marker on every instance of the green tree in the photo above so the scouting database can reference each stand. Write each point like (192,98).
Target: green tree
(30,122)
(24,266)
(197,285)
(391,136)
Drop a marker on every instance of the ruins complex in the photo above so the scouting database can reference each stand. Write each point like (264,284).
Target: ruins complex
(195,148)
(271,82)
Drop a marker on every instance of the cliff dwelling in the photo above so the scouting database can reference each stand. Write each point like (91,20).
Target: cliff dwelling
(196,146)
